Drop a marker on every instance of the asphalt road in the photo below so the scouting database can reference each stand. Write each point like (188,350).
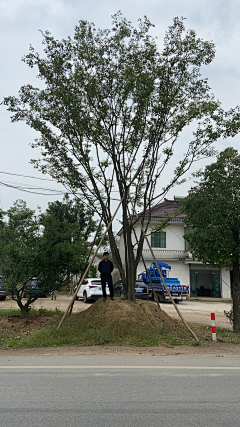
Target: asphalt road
(120,390)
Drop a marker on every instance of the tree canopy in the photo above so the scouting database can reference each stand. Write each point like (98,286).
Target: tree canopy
(213,209)
(48,248)
(110,112)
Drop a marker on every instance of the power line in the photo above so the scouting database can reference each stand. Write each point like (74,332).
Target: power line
(29,190)
(27,176)
(42,179)
(52,191)
(28,187)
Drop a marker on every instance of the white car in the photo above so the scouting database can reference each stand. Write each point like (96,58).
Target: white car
(91,289)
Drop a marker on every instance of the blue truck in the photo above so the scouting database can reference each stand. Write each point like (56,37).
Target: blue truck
(177,291)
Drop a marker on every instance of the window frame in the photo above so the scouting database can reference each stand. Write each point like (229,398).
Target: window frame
(161,239)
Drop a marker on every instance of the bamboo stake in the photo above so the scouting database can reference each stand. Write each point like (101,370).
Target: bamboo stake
(162,278)
(89,265)
(90,251)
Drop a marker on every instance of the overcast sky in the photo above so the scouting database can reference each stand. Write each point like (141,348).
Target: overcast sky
(20,20)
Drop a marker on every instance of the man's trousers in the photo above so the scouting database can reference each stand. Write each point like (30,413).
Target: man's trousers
(107,279)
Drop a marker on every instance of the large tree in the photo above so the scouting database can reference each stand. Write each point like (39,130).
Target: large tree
(110,111)
(213,210)
(49,248)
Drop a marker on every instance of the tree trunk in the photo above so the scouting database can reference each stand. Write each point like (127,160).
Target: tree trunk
(236,298)
(130,268)
(24,308)
(24,311)
(131,279)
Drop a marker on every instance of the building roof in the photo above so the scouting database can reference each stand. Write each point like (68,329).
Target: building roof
(166,208)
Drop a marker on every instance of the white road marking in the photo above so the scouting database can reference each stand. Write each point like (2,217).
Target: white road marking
(72,367)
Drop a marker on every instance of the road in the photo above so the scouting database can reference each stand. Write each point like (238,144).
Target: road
(200,311)
(119,391)
(193,311)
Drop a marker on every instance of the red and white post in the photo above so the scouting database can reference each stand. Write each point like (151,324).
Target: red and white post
(214,335)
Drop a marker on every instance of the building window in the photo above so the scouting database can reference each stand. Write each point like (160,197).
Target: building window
(158,239)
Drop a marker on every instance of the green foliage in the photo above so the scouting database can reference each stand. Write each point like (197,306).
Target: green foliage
(66,237)
(50,247)
(212,208)
(93,271)
(19,238)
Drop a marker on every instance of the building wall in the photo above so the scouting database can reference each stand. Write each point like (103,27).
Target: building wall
(174,236)
(225,283)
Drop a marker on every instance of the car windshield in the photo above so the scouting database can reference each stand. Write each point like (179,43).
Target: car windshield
(95,282)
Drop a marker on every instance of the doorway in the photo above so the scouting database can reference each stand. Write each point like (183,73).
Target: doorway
(205,283)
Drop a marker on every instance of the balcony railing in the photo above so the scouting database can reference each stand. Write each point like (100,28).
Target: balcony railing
(165,254)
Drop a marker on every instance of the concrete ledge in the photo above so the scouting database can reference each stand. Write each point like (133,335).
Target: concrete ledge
(209,299)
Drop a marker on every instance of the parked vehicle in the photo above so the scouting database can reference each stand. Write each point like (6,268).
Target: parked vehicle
(177,291)
(91,290)
(141,289)
(33,289)
(3,290)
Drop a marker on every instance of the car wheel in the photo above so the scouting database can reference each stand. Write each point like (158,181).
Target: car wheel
(2,298)
(85,298)
(176,301)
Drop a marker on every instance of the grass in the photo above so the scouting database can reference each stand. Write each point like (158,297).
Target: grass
(120,323)
(32,312)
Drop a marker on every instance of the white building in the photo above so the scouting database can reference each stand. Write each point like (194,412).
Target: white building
(169,246)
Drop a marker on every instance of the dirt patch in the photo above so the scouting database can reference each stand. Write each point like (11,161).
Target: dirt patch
(213,349)
(28,324)
(61,303)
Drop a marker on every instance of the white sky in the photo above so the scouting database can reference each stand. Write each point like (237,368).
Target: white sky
(20,20)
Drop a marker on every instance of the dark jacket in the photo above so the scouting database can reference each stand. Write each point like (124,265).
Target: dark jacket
(105,267)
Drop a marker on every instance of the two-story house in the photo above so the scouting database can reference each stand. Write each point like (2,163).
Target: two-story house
(170,246)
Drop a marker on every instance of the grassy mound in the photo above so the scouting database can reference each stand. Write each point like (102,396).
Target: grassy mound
(123,322)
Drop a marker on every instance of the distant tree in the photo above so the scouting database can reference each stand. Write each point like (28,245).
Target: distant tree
(213,209)
(68,229)
(49,247)
(19,240)
(111,113)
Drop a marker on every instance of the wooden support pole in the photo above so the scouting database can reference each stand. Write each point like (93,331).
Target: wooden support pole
(89,265)
(90,251)
(162,278)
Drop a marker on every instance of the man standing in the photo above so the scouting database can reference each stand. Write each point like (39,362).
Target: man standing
(106,267)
